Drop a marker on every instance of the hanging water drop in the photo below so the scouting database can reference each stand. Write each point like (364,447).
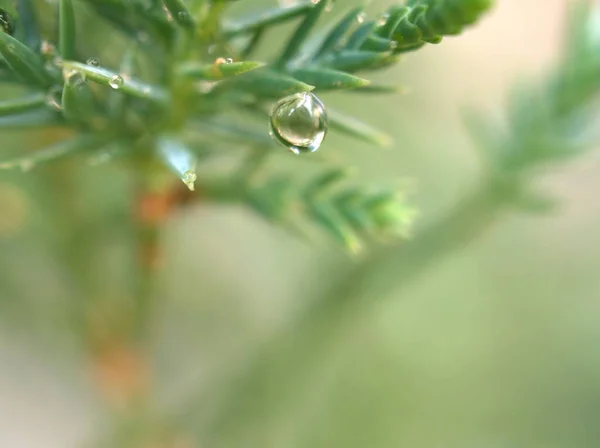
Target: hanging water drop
(189,178)
(116,82)
(299,122)
(228,60)
(74,77)
(6,22)
(92,62)
(360,18)
(54,98)
(178,158)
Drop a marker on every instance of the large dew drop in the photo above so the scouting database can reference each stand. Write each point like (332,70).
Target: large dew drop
(299,122)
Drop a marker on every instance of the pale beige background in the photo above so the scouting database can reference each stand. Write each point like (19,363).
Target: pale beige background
(493,342)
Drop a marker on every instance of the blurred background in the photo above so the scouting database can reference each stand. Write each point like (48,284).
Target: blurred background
(494,346)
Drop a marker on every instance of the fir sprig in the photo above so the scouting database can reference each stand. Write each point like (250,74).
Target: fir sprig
(201,71)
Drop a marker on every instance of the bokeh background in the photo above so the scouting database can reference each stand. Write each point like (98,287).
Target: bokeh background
(495,345)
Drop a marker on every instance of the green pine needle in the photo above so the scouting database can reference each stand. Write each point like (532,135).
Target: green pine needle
(198,80)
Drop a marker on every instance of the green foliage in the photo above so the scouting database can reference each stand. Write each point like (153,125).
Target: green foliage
(198,70)
(546,122)
(172,97)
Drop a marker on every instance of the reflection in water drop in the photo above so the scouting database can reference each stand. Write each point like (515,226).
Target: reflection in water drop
(92,62)
(299,122)
(116,82)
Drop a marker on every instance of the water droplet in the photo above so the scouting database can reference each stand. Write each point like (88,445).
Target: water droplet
(299,122)
(182,16)
(361,18)
(93,62)
(54,98)
(188,178)
(116,82)
(57,61)
(383,19)
(48,49)
(228,60)
(6,22)
(393,44)
(74,77)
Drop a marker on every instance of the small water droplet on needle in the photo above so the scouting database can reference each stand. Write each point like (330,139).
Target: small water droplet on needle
(116,82)
(189,178)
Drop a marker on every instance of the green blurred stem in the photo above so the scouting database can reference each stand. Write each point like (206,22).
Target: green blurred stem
(307,341)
